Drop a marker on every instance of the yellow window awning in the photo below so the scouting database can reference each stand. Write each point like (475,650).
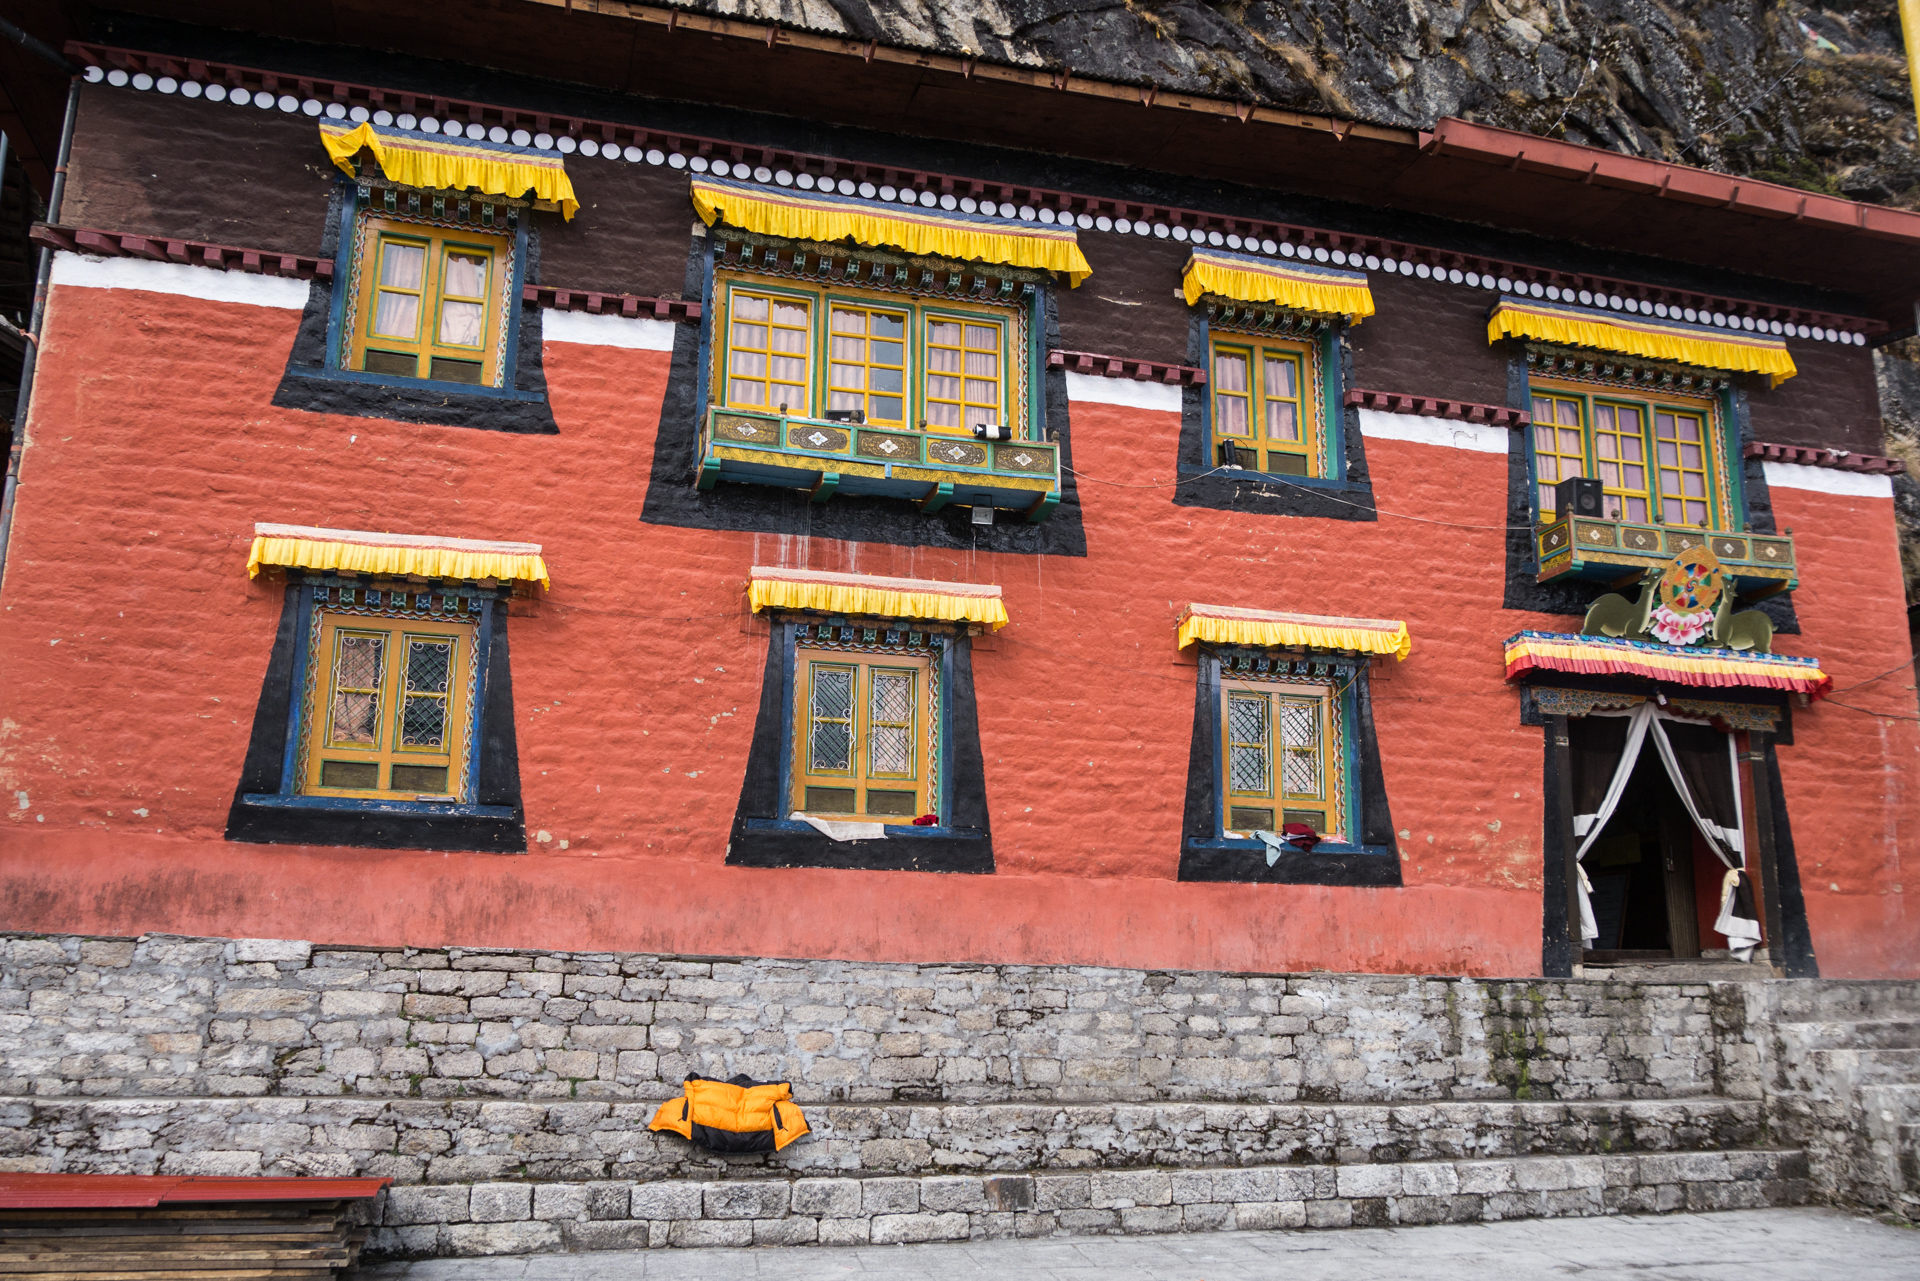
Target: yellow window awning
(813,215)
(429,160)
(1296,285)
(305,547)
(1633,335)
(1230,625)
(829,593)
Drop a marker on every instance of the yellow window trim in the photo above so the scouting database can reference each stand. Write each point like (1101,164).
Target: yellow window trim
(386,750)
(1649,402)
(815,396)
(860,775)
(377,232)
(1311,448)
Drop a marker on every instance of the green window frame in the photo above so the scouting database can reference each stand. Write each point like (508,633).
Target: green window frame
(1660,460)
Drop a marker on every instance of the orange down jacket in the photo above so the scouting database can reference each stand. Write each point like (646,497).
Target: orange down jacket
(741,1115)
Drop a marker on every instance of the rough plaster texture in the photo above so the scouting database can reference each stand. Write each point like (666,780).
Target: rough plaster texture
(635,678)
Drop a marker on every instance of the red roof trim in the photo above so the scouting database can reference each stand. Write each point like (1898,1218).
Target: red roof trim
(1812,456)
(1510,149)
(1392,402)
(1086,362)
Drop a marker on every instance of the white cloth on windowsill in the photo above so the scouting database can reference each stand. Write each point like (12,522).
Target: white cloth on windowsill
(843,831)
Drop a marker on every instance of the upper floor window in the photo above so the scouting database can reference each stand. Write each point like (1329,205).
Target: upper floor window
(1659,461)
(430,303)
(1265,418)
(867,356)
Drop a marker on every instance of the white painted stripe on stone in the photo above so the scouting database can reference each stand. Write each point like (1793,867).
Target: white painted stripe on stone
(1092,389)
(1828,480)
(178,278)
(1452,433)
(641,333)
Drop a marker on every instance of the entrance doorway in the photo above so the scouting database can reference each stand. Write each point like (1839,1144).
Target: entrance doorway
(1645,891)
(1658,821)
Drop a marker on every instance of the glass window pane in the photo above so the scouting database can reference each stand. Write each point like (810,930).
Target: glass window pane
(885,326)
(1567,411)
(983,364)
(745,335)
(1230,371)
(830,740)
(396,315)
(1230,414)
(748,307)
(401,265)
(844,348)
(985,337)
(1283,422)
(1280,377)
(946,333)
(849,322)
(1248,745)
(466,275)
(1300,739)
(789,313)
(460,323)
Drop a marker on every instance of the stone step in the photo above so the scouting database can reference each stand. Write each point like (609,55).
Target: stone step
(464,1141)
(1847,1001)
(1837,1070)
(518,1218)
(1852,1034)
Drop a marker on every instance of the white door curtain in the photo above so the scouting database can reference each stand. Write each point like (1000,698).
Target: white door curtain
(1712,800)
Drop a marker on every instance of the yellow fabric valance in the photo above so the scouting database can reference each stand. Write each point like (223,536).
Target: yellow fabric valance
(1228,625)
(1297,285)
(812,215)
(305,547)
(425,160)
(863,594)
(1633,335)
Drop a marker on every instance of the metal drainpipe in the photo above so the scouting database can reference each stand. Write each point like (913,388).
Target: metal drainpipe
(27,359)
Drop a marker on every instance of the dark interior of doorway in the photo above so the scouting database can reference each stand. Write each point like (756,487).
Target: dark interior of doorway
(1643,874)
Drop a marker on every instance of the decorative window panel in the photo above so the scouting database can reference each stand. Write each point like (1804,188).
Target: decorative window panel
(1265,405)
(428,299)
(867,723)
(1283,754)
(1659,457)
(391,681)
(890,357)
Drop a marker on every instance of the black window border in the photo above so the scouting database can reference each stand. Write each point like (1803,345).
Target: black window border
(763,836)
(1574,597)
(1205,855)
(314,383)
(263,813)
(1346,497)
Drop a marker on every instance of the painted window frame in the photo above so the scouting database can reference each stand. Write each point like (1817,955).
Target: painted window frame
(1308,363)
(1321,390)
(379,236)
(1019,319)
(876,638)
(813,659)
(368,200)
(1223,666)
(322,596)
(1726,498)
(1331,735)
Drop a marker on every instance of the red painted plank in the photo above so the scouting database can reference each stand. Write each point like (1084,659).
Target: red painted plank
(107,1191)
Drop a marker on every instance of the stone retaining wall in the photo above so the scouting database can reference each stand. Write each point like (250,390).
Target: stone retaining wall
(165,1017)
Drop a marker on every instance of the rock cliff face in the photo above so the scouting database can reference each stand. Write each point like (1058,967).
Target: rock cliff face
(1811,96)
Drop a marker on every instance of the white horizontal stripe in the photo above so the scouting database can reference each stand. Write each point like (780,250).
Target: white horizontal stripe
(642,333)
(1828,480)
(1481,438)
(1130,392)
(313,533)
(179,278)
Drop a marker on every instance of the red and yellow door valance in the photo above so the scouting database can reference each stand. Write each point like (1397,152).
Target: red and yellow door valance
(1676,665)
(1630,335)
(1231,625)
(432,160)
(306,547)
(864,594)
(1297,285)
(814,215)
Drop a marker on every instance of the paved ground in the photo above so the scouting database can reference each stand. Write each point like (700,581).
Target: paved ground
(1743,1245)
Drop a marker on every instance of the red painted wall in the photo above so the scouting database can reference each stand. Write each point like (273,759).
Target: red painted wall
(133,648)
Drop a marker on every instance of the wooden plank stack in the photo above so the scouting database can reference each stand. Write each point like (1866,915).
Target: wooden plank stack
(119,1228)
